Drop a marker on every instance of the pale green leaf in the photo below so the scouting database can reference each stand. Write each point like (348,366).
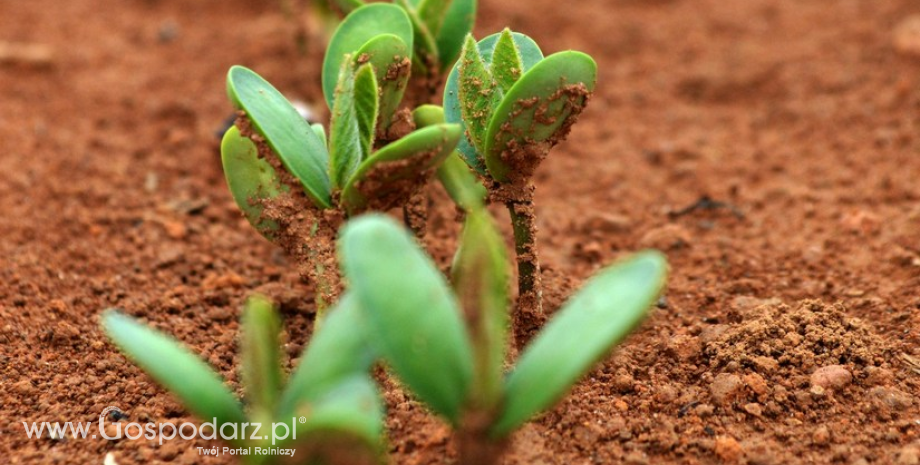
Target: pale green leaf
(600,315)
(416,320)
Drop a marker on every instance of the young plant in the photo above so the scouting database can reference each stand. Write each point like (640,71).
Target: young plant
(327,413)
(439,28)
(515,105)
(449,345)
(293,184)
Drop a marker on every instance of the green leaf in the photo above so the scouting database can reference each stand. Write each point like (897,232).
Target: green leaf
(390,57)
(345,425)
(366,107)
(173,366)
(426,49)
(261,359)
(478,93)
(600,315)
(337,351)
(250,178)
(506,62)
(462,185)
(393,173)
(432,13)
(359,27)
(416,320)
(480,278)
(285,131)
(458,22)
(537,112)
(320,132)
(530,55)
(345,143)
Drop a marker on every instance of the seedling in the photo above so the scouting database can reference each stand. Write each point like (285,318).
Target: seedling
(295,186)
(515,105)
(328,412)
(449,346)
(439,28)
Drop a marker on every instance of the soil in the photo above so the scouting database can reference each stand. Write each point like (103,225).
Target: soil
(785,333)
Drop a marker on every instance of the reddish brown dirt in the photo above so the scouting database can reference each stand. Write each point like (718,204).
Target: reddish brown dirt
(801,114)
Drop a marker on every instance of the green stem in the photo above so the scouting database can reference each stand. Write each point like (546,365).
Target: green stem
(523,221)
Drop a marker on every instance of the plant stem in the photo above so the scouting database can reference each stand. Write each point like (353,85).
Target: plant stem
(474,444)
(523,221)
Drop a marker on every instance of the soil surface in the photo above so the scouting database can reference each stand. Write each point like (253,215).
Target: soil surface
(795,287)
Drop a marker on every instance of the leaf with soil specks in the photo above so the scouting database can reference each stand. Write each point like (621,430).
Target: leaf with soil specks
(391,174)
(416,320)
(285,131)
(356,30)
(172,365)
(480,278)
(530,55)
(345,143)
(390,58)
(536,113)
(250,178)
(598,317)
(506,62)
(478,93)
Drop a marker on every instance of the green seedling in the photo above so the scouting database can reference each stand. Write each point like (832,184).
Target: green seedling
(448,344)
(328,412)
(439,28)
(459,182)
(515,105)
(294,184)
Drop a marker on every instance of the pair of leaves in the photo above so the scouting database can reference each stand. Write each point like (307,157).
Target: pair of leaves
(330,386)
(379,35)
(379,180)
(514,103)
(420,332)
(440,26)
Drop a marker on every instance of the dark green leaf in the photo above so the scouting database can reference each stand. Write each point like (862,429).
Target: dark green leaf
(537,112)
(250,179)
(393,173)
(426,49)
(286,132)
(530,55)
(480,278)
(600,315)
(458,22)
(432,13)
(185,375)
(416,320)
(261,359)
(362,25)
(366,107)
(478,93)
(390,57)
(337,351)
(345,144)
